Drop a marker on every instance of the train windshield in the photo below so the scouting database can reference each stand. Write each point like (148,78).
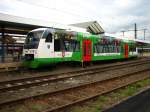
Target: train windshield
(32,39)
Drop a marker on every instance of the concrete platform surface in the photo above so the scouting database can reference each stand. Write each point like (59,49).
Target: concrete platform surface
(137,103)
(10,66)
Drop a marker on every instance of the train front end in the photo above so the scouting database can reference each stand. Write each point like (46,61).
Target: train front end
(30,51)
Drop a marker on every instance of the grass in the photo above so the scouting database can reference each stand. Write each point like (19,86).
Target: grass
(32,107)
(104,101)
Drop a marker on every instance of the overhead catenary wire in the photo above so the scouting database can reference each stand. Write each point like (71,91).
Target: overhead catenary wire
(136,30)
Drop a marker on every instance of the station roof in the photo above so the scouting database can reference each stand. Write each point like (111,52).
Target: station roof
(91,26)
(21,25)
(142,41)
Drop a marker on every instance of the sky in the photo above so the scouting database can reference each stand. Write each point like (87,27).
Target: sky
(113,15)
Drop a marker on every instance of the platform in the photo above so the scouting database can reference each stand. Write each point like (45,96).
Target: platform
(10,66)
(137,103)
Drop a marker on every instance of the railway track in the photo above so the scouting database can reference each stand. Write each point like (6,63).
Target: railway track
(81,94)
(35,81)
(85,75)
(23,70)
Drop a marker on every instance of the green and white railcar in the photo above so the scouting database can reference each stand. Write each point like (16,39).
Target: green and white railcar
(46,46)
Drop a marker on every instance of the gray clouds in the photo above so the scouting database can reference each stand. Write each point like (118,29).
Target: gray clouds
(113,15)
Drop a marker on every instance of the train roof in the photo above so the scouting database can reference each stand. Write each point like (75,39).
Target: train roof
(39,29)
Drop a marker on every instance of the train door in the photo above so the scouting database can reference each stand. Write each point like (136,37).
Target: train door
(87,50)
(126,49)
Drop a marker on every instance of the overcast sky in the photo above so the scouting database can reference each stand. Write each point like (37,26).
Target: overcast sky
(113,15)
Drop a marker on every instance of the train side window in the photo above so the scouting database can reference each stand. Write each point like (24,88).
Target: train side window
(132,48)
(49,38)
(95,48)
(57,45)
(68,46)
(104,49)
(77,46)
(101,49)
(71,45)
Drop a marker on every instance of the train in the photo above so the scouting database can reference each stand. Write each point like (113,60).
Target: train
(45,46)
